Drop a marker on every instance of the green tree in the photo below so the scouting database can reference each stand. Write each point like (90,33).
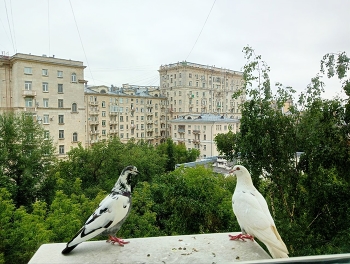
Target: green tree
(26,157)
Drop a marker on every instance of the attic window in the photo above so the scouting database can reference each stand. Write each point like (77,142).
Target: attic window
(103,91)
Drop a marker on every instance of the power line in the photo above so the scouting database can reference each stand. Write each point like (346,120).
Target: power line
(201,30)
(81,42)
(8,22)
(13,27)
(48,24)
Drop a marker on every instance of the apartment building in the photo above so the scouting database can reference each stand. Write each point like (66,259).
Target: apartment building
(50,89)
(199,131)
(129,112)
(196,89)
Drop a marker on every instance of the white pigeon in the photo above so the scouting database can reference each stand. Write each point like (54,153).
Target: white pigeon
(110,214)
(253,215)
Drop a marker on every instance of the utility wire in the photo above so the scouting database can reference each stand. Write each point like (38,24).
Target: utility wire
(8,22)
(81,42)
(13,26)
(48,24)
(201,30)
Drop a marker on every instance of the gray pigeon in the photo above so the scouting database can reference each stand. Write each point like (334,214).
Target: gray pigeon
(253,215)
(110,214)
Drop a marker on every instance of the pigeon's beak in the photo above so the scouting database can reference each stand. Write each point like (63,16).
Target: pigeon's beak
(136,172)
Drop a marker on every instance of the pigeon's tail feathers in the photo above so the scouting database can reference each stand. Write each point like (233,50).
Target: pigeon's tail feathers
(277,249)
(276,252)
(68,249)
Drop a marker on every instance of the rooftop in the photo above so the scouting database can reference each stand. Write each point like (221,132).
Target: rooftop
(199,66)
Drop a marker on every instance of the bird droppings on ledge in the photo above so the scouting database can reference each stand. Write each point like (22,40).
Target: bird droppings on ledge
(167,250)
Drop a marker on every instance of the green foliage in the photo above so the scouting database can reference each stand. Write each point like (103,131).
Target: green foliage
(176,154)
(185,206)
(25,157)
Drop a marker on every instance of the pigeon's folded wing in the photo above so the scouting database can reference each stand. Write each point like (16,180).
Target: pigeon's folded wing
(110,211)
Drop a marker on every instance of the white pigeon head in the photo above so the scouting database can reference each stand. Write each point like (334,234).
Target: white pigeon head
(240,172)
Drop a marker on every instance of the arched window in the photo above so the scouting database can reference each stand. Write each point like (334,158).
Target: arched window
(74,107)
(75,137)
(74,77)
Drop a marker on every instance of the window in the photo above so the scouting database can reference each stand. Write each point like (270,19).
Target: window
(28,102)
(45,119)
(179,93)
(75,107)
(190,75)
(28,85)
(204,147)
(103,122)
(45,87)
(59,74)
(103,103)
(61,149)
(190,83)
(189,132)
(60,88)
(103,113)
(75,137)
(121,118)
(120,100)
(121,135)
(103,132)
(45,72)
(61,134)
(60,103)
(61,119)
(142,126)
(46,134)
(28,70)
(205,137)
(73,77)
(45,102)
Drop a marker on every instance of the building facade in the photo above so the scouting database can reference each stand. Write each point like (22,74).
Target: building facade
(197,89)
(199,131)
(50,89)
(130,112)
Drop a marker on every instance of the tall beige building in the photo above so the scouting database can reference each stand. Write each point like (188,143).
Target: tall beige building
(50,89)
(129,112)
(196,89)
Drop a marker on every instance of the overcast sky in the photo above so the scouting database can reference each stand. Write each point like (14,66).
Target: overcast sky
(126,41)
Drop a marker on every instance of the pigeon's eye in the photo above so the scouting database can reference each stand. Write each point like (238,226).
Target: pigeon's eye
(238,168)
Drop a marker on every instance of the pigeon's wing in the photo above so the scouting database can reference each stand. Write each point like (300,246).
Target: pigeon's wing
(110,212)
(253,220)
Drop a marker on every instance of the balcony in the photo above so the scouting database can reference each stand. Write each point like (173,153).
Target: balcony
(94,132)
(28,93)
(113,131)
(114,122)
(196,141)
(113,113)
(181,130)
(93,103)
(181,140)
(149,129)
(149,121)
(195,131)
(149,114)
(132,126)
(29,109)
(94,112)
(93,122)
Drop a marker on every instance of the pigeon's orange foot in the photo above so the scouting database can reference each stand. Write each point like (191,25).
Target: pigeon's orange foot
(114,240)
(241,237)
